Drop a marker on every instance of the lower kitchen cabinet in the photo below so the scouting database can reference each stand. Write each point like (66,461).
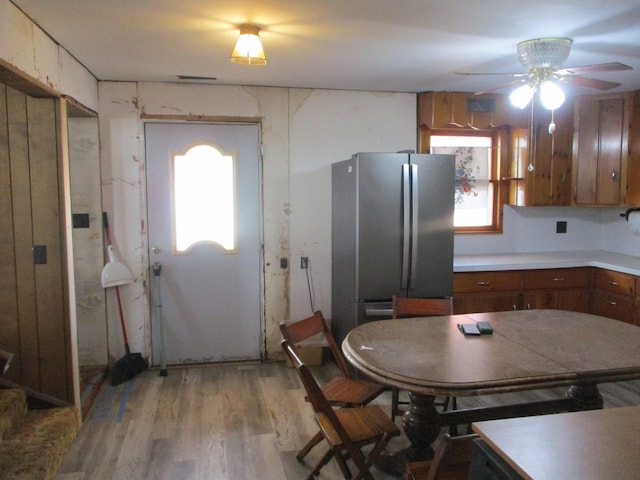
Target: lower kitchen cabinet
(557,288)
(584,289)
(486,302)
(615,295)
(487,291)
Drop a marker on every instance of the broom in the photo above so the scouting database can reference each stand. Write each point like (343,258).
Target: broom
(115,274)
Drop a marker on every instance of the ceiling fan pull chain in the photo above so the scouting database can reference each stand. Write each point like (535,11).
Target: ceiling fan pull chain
(531,167)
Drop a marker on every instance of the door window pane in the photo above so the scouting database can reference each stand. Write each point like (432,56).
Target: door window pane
(204,199)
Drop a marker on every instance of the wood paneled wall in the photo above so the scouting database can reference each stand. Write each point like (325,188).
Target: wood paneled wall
(33,307)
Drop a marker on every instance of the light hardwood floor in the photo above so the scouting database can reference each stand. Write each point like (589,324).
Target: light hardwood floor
(224,422)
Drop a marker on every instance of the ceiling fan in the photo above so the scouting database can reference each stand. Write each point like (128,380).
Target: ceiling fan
(543,57)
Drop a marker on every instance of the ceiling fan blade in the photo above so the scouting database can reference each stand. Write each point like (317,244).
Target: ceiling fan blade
(493,74)
(501,86)
(597,68)
(589,82)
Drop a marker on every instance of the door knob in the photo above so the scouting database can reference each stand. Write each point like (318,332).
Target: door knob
(155,249)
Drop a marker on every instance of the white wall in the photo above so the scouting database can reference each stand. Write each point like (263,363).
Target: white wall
(533,229)
(303,132)
(27,48)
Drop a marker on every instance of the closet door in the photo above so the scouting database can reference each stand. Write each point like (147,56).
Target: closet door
(32,277)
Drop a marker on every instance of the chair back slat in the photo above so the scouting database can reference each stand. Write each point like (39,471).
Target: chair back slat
(299,331)
(306,328)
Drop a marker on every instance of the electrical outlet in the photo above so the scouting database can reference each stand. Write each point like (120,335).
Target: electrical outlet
(304,263)
(561,227)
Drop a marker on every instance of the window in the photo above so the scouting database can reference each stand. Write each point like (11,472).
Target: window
(477,191)
(204,199)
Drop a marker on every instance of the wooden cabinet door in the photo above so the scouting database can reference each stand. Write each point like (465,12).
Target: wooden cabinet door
(550,181)
(600,148)
(486,302)
(632,193)
(539,299)
(576,300)
(588,124)
(611,144)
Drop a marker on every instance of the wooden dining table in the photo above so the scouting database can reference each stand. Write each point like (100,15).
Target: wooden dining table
(528,349)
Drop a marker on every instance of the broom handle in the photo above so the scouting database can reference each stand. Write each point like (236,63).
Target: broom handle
(124,330)
(105,222)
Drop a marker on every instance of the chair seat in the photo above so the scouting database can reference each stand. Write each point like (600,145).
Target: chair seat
(361,425)
(347,391)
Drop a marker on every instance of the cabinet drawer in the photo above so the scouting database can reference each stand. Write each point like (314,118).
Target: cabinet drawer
(466,282)
(616,282)
(557,278)
(612,305)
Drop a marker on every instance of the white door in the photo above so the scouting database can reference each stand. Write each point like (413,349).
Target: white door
(203,189)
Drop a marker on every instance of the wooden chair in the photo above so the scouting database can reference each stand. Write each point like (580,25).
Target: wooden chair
(342,391)
(347,430)
(419,307)
(450,462)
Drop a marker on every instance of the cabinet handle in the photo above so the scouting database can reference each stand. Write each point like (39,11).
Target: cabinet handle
(614,174)
(484,284)
(611,302)
(558,279)
(613,282)
(563,177)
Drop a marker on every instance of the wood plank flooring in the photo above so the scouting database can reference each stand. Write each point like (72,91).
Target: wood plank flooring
(225,422)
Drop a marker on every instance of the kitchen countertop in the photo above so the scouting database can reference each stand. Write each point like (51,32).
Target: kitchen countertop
(531,261)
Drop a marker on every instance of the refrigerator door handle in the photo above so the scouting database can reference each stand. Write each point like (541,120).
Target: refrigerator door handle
(414,225)
(406,224)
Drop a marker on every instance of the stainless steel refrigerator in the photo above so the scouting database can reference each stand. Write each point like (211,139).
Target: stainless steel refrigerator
(392,233)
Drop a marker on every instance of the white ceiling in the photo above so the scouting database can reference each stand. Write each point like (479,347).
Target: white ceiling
(385,45)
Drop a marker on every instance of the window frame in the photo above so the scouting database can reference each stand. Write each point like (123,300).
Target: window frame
(499,159)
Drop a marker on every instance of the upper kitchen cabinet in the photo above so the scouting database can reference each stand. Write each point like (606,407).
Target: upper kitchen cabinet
(600,142)
(461,110)
(632,193)
(540,168)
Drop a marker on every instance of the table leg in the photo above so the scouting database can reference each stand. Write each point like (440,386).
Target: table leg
(585,396)
(421,424)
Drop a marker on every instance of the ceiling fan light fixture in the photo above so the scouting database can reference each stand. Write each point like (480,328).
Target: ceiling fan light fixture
(544,52)
(522,95)
(248,49)
(551,95)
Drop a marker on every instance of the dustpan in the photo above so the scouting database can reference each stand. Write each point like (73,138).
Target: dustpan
(115,273)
